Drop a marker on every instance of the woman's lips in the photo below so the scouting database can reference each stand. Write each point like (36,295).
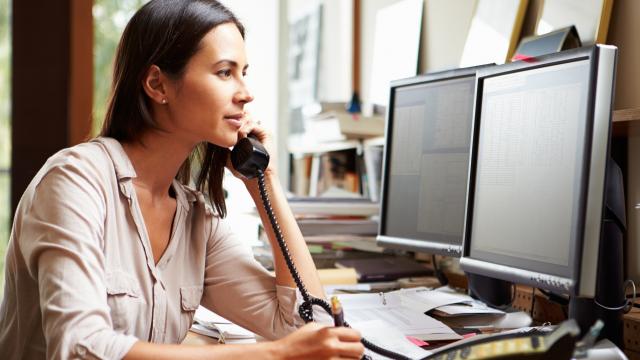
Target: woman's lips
(234,122)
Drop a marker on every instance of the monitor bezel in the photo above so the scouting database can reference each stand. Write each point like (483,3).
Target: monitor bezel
(584,260)
(393,242)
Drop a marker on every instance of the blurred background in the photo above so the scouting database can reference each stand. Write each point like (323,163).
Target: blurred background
(311,62)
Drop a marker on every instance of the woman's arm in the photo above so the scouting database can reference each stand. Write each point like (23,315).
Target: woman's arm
(291,233)
(313,341)
(288,225)
(144,350)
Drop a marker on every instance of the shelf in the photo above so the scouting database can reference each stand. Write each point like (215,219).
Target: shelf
(306,144)
(626,122)
(626,115)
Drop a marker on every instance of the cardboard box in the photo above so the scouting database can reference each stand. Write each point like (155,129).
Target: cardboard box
(631,330)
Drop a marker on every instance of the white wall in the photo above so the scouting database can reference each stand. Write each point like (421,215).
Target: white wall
(260,19)
(444,31)
(368,10)
(336,60)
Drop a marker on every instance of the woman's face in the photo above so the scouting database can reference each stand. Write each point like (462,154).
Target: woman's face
(207,102)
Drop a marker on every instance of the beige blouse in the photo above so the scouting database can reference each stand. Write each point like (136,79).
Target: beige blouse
(81,281)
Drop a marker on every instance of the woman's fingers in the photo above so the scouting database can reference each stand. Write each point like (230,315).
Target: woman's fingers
(347,334)
(314,341)
(251,126)
(352,349)
(346,342)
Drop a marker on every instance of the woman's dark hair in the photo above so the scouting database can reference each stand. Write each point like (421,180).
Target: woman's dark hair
(165,33)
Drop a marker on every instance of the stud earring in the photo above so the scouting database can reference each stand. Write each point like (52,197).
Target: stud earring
(164,101)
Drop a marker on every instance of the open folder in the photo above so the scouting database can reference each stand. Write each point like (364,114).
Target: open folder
(407,309)
(391,307)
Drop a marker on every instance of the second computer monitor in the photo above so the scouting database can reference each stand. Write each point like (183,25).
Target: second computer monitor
(426,162)
(538,177)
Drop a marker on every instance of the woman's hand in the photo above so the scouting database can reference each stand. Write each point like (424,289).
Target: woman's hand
(254,128)
(315,341)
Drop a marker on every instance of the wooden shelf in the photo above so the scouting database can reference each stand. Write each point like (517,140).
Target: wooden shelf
(626,115)
(626,122)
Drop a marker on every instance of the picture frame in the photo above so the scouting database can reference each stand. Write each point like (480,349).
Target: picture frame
(494,32)
(590,17)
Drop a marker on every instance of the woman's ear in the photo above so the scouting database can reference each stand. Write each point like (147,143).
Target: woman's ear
(154,85)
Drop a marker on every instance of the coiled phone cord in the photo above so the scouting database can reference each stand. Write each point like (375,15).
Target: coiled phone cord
(306,308)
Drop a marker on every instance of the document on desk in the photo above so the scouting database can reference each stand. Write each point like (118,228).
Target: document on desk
(473,308)
(445,303)
(389,307)
(385,335)
(426,300)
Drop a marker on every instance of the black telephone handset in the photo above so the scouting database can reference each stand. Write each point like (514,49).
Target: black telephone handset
(250,159)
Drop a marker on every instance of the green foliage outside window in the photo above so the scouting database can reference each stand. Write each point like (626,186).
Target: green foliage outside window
(5,132)
(109,19)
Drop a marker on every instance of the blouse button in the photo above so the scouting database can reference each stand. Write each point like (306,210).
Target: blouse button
(81,351)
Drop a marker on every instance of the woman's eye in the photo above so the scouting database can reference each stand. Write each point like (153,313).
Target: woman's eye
(224,73)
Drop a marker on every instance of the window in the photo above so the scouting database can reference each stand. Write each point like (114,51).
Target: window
(109,20)
(5,132)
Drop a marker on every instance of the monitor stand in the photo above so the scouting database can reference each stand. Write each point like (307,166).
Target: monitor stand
(609,285)
(493,292)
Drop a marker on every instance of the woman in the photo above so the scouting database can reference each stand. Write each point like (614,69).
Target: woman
(111,251)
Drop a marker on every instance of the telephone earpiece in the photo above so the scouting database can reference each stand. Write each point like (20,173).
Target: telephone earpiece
(249,157)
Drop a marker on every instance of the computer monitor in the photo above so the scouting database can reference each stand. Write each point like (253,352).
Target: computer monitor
(426,162)
(538,178)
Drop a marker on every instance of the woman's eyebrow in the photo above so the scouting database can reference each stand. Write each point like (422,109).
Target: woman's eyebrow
(232,63)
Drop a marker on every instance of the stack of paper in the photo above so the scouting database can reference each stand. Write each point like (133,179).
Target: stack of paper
(208,323)
(391,308)
(459,310)
(443,303)
(385,335)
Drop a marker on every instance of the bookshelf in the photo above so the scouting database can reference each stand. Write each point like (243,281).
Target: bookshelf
(626,122)
(315,166)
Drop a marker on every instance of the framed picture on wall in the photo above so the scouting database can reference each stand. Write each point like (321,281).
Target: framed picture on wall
(494,32)
(590,17)
(395,48)
(304,55)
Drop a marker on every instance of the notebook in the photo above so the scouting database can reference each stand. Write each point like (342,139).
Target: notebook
(385,269)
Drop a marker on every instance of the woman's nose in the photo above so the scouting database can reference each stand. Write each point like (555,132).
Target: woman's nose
(244,95)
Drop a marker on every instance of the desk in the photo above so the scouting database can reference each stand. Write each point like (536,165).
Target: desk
(604,349)
(197,339)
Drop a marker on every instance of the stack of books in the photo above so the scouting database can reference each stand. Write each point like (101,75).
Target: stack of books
(208,323)
(343,222)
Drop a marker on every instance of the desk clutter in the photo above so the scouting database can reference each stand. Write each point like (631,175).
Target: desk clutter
(463,150)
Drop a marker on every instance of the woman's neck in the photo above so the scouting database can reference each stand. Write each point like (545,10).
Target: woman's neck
(156,160)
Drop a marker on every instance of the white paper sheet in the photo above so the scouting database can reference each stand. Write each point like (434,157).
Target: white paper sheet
(390,308)
(388,337)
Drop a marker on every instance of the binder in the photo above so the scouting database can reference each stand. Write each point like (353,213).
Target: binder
(385,269)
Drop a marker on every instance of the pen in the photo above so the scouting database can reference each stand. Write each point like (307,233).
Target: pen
(336,309)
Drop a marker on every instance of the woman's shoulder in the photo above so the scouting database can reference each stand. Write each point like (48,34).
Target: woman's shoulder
(89,160)
(84,155)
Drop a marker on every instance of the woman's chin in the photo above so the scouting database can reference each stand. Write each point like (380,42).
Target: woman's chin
(226,142)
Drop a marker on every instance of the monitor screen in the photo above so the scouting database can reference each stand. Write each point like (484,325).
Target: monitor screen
(540,139)
(427,161)
(530,162)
